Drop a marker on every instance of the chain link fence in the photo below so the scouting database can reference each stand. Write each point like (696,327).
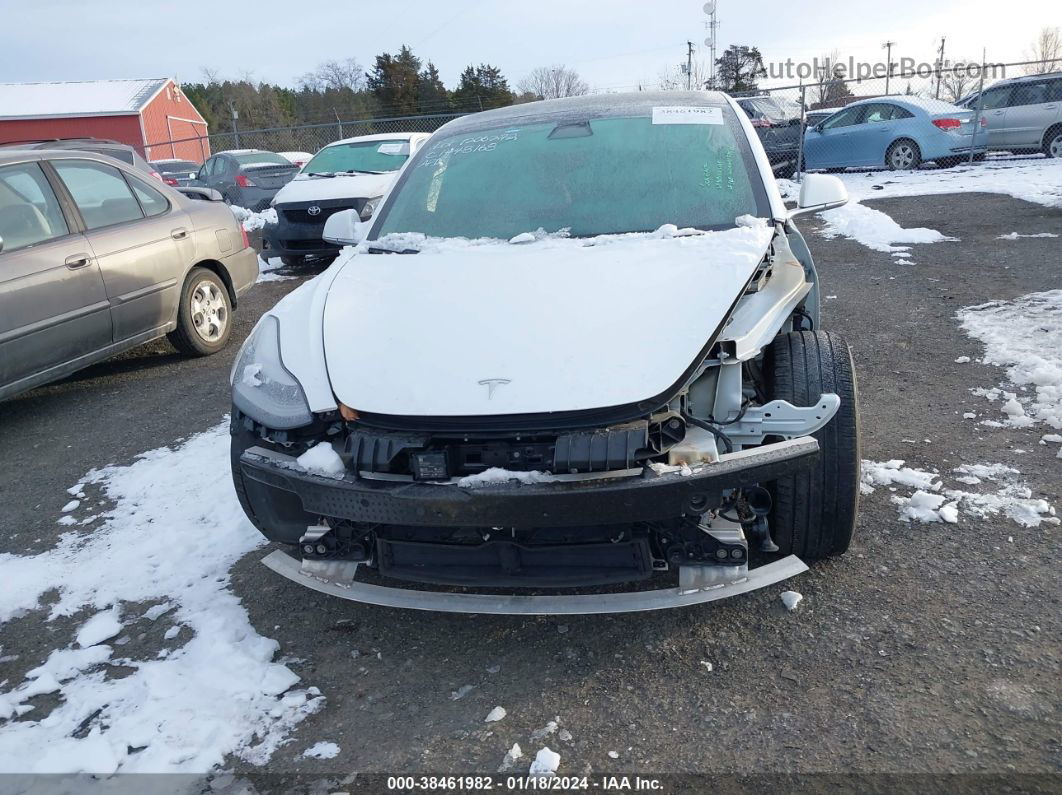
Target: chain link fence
(308,138)
(941,116)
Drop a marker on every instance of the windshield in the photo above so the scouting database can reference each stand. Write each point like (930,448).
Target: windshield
(374,157)
(602,176)
(774,108)
(255,158)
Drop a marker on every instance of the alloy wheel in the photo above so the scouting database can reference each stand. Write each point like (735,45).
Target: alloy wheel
(210,313)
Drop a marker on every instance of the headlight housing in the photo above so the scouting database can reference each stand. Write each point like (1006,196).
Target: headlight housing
(369,208)
(262,388)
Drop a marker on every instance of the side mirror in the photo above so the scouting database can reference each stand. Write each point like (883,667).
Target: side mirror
(345,228)
(819,192)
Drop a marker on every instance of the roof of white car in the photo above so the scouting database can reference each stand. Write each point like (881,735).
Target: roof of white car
(381,137)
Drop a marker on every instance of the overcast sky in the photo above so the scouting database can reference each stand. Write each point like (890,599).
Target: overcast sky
(614,45)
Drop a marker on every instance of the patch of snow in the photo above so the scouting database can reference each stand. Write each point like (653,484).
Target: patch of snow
(523,237)
(99,628)
(461,692)
(171,633)
(496,475)
(613,755)
(791,599)
(495,715)
(252,221)
(322,751)
(962,360)
(322,459)
(545,731)
(1016,235)
(217,695)
(893,472)
(545,764)
(969,415)
(932,502)
(157,611)
(267,270)
(1025,337)
(876,230)
(70,506)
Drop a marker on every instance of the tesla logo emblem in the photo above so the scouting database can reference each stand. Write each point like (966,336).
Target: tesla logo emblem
(491,384)
(313,209)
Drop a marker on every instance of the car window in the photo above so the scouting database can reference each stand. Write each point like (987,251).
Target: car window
(1028,94)
(260,158)
(996,97)
(151,200)
(124,155)
(563,175)
(844,118)
(1054,90)
(100,192)
(29,211)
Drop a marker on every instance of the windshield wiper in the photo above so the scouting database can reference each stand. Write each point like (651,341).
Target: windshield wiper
(321,174)
(358,171)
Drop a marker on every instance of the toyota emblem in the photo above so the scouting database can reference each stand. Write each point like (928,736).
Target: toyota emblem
(313,209)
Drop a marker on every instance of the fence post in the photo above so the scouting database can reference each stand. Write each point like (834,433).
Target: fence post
(803,126)
(980,109)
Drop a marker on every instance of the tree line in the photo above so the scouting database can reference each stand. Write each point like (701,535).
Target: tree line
(398,84)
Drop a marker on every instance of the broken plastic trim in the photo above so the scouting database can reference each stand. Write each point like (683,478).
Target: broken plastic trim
(518,604)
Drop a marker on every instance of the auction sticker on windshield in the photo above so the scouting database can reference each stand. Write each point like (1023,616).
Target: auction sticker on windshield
(686,114)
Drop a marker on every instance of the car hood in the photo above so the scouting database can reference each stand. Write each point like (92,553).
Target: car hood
(345,186)
(475,328)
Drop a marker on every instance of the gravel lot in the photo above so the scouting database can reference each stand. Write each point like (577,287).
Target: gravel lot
(927,648)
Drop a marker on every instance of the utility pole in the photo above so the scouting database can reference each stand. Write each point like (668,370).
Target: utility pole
(340,123)
(711,24)
(235,126)
(940,66)
(888,64)
(689,64)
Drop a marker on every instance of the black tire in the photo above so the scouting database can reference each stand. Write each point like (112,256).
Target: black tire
(293,262)
(204,318)
(814,512)
(1052,146)
(903,155)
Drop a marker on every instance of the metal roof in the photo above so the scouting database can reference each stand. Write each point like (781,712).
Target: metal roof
(81,98)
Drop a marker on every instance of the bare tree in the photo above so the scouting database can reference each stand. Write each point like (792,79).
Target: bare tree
(829,88)
(335,75)
(1047,49)
(552,82)
(959,80)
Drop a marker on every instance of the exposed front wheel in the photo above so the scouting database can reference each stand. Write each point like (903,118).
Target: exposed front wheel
(204,317)
(903,155)
(814,511)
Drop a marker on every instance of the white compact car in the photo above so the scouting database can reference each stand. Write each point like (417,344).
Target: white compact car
(575,356)
(352,174)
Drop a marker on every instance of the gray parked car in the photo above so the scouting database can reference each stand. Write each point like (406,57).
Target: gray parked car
(99,146)
(1023,114)
(176,173)
(96,258)
(246,177)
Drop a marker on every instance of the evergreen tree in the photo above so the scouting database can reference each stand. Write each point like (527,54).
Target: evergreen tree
(395,82)
(482,87)
(739,68)
(432,96)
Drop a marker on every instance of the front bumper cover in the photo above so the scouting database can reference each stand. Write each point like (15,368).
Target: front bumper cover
(602,501)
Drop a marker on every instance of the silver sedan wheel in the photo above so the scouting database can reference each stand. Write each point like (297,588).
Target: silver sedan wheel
(1054,148)
(210,311)
(902,156)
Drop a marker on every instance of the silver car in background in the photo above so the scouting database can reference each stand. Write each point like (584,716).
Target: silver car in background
(96,258)
(1023,114)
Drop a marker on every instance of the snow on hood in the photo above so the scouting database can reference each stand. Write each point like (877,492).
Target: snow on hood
(486,327)
(305,188)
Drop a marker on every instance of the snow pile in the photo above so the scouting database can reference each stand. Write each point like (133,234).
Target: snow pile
(1002,492)
(322,459)
(1038,180)
(495,715)
(322,751)
(495,475)
(1025,337)
(252,220)
(876,230)
(174,532)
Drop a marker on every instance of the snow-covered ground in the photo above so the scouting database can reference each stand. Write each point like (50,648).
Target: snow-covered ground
(1025,337)
(1036,180)
(923,496)
(267,270)
(158,564)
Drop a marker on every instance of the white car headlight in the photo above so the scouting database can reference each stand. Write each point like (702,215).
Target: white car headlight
(369,208)
(262,388)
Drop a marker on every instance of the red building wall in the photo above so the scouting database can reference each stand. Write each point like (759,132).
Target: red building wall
(171,117)
(125,129)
